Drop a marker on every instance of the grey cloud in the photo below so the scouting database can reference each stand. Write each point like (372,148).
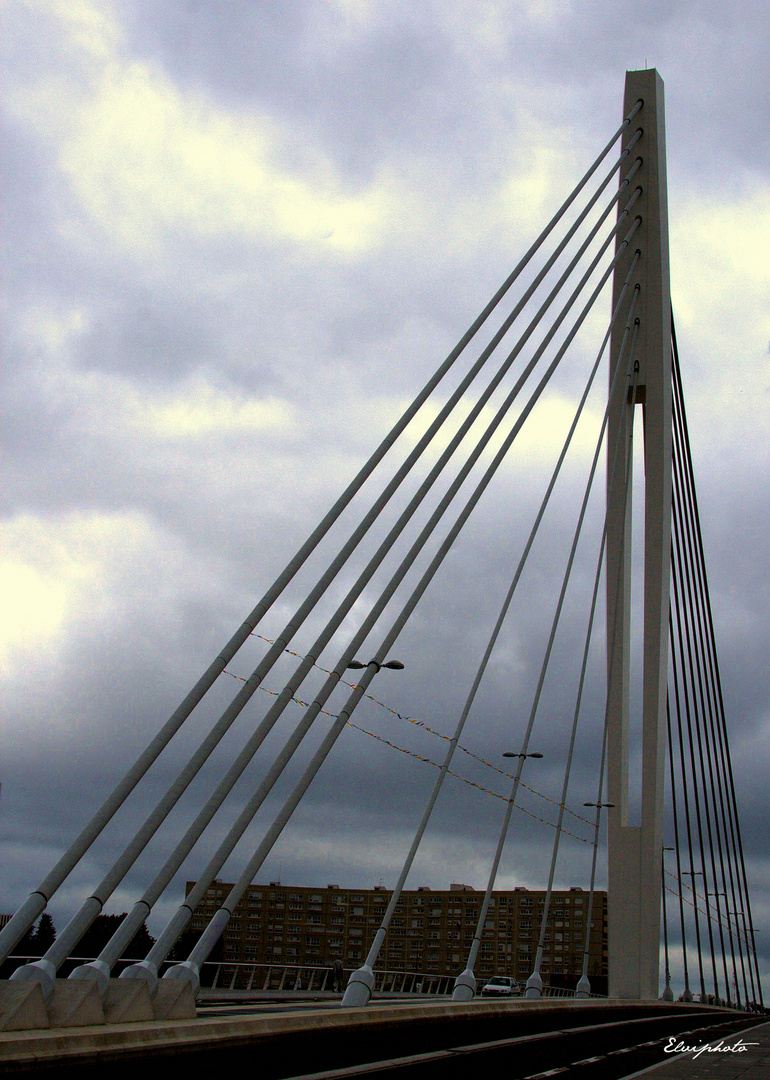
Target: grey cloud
(336,341)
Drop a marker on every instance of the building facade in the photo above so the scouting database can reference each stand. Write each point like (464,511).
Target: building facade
(431,930)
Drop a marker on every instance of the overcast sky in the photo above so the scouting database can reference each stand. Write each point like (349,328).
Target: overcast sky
(237,239)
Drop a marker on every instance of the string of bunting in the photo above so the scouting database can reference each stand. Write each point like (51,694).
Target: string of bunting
(429,761)
(465,780)
(683,884)
(727,926)
(430,730)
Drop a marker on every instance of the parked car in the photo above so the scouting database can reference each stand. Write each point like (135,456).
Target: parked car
(501,984)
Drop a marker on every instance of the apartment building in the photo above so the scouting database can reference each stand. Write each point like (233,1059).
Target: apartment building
(431,930)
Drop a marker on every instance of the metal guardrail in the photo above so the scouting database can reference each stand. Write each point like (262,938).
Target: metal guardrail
(242,975)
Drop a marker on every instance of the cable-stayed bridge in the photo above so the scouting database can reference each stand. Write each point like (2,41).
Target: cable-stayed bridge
(588,311)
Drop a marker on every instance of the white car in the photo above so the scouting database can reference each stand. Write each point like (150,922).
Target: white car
(501,984)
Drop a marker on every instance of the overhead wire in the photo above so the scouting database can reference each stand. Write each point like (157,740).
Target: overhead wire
(363,975)
(135,918)
(217,925)
(632,325)
(36,902)
(467,980)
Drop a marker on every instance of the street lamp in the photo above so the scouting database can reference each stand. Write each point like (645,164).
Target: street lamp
(510,753)
(599,805)
(394,665)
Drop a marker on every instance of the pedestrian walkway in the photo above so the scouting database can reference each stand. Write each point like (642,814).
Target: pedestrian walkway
(736,1057)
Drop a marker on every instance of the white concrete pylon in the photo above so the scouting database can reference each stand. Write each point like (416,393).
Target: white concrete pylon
(634,850)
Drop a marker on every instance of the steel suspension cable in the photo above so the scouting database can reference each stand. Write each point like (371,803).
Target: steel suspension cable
(535,983)
(216,926)
(38,899)
(687,615)
(362,980)
(687,991)
(583,987)
(90,909)
(128,927)
(692,872)
(124,933)
(708,646)
(693,622)
(465,982)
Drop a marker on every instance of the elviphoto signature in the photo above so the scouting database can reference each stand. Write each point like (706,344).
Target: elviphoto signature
(720,1047)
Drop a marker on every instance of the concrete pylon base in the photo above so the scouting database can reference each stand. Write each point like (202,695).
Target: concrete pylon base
(174,1000)
(359,988)
(465,986)
(75,1003)
(22,1007)
(128,1001)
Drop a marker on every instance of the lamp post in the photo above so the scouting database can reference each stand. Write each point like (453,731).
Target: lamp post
(465,983)
(583,987)
(668,993)
(727,1001)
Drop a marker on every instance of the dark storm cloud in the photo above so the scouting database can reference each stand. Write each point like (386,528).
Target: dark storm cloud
(194,370)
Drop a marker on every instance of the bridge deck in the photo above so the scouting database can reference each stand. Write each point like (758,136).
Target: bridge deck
(306,1041)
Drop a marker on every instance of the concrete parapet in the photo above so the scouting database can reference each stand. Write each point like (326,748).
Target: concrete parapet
(22,1007)
(75,1003)
(128,1001)
(174,1000)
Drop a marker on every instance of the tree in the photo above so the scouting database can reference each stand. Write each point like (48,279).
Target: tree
(45,935)
(38,939)
(101,930)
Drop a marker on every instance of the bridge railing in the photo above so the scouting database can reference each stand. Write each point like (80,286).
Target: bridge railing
(240,975)
(236,975)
